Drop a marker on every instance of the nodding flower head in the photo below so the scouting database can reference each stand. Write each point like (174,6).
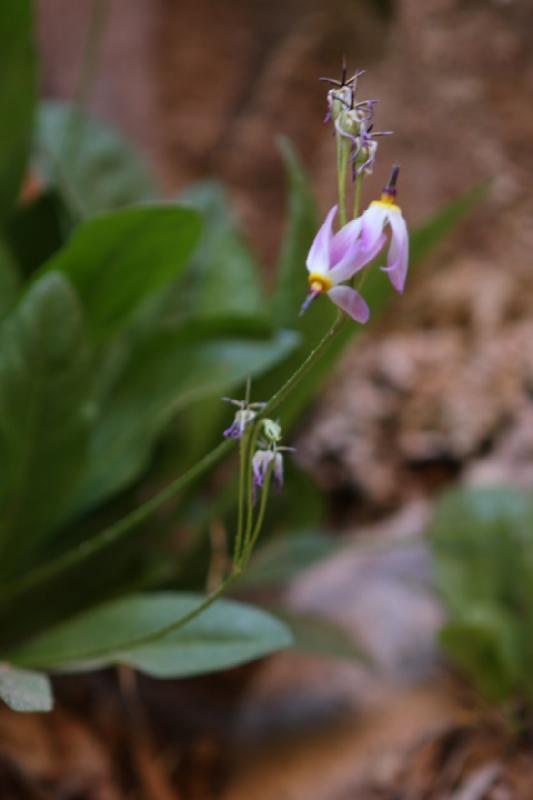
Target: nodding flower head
(335,258)
(378,215)
(243,417)
(265,459)
(262,462)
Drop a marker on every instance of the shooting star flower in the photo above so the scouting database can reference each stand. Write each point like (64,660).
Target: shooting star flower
(335,258)
(378,215)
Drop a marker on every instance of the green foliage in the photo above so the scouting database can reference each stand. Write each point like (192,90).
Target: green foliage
(284,557)
(93,167)
(9,280)
(482,542)
(45,413)
(17,97)
(133,630)
(118,260)
(317,635)
(167,372)
(223,277)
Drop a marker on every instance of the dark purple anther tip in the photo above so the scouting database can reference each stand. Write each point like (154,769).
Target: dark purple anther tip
(390,188)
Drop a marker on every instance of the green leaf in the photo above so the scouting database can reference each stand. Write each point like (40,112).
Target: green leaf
(93,167)
(23,690)
(223,278)
(291,284)
(167,373)
(118,260)
(316,635)
(226,634)
(45,413)
(283,557)
(36,231)
(483,548)
(486,645)
(9,280)
(18,68)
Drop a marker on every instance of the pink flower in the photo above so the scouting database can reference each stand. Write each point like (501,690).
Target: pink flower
(335,258)
(379,214)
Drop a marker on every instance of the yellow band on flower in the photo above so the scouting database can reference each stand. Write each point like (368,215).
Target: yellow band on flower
(319,283)
(387,201)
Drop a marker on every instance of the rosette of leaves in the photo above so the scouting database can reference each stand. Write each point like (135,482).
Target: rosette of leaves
(482,542)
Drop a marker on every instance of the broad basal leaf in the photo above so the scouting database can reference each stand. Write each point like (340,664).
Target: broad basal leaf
(125,632)
(90,164)
(167,373)
(223,278)
(45,413)
(118,260)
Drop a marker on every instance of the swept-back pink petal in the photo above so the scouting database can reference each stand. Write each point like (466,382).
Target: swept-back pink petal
(343,241)
(370,252)
(398,255)
(373,220)
(318,259)
(350,302)
(346,252)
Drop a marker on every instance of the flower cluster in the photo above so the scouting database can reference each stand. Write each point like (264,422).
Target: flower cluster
(335,258)
(354,121)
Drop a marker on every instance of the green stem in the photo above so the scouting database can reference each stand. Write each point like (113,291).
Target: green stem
(250,490)
(254,535)
(243,463)
(357,195)
(121,529)
(343,152)
(157,634)
(114,533)
(304,367)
